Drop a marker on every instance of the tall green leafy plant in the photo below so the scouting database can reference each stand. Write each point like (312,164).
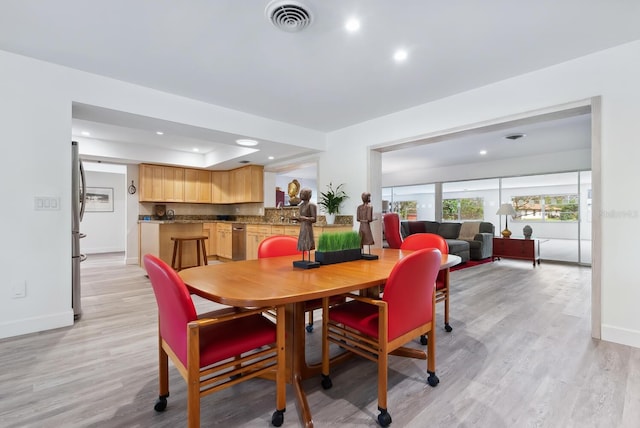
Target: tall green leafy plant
(332,199)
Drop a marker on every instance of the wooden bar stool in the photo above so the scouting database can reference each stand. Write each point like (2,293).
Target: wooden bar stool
(177,250)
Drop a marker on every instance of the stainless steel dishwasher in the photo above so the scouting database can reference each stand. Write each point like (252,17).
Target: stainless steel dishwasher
(238,241)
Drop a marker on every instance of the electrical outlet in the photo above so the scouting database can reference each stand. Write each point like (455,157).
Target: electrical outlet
(19,290)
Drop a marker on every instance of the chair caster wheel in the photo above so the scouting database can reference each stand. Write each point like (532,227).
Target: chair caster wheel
(278,418)
(384,418)
(433,379)
(423,340)
(161,404)
(309,328)
(326,382)
(448,328)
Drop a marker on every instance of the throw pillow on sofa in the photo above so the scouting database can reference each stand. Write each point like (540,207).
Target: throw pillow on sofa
(469,230)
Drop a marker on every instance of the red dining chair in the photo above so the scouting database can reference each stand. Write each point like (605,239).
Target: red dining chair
(278,245)
(375,328)
(285,245)
(392,230)
(216,350)
(418,241)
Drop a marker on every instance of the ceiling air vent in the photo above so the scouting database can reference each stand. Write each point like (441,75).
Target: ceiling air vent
(244,161)
(514,137)
(289,15)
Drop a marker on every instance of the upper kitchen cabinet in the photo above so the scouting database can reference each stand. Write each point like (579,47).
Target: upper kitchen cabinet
(173,184)
(220,187)
(247,184)
(161,183)
(197,185)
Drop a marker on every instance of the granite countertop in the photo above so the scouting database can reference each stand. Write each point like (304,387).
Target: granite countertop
(265,223)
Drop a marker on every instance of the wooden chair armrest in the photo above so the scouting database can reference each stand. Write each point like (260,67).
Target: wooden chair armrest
(369,300)
(226,314)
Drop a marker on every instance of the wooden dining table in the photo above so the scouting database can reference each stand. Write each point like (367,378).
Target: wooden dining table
(275,282)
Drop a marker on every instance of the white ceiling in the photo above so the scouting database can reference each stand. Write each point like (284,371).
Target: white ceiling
(227,53)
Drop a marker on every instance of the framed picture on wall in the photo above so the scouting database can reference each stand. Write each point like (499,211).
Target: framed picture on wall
(99,199)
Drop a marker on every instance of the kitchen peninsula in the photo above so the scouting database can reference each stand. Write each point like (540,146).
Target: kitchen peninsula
(155,235)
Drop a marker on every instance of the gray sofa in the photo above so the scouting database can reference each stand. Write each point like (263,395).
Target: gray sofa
(474,246)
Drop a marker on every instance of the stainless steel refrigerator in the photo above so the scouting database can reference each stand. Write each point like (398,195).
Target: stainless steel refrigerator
(78,187)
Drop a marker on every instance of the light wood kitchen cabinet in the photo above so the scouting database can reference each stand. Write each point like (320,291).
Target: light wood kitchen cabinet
(197,185)
(150,183)
(220,187)
(256,233)
(247,184)
(161,183)
(277,230)
(292,230)
(210,230)
(224,240)
(253,240)
(172,184)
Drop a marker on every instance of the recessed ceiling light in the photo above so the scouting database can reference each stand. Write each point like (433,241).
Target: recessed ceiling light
(271,158)
(483,152)
(159,132)
(195,149)
(352,25)
(400,55)
(244,142)
(86,133)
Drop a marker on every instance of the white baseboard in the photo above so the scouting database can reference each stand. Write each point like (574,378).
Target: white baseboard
(623,336)
(36,324)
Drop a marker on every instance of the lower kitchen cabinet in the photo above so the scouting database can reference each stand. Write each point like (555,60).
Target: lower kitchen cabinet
(224,241)
(210,230)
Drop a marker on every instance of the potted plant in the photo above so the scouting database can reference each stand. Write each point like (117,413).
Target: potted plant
(330,201)
(338,247)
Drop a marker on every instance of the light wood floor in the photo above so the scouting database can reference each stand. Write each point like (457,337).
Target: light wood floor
(520,355)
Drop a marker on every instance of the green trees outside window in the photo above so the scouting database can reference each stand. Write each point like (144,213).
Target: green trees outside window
(463,209)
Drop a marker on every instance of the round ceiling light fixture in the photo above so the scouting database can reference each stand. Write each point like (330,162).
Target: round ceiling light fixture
(247,142)
(289,15)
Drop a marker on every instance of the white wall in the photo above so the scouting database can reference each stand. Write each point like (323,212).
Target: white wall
(105,230)
(35,106)
(610,74)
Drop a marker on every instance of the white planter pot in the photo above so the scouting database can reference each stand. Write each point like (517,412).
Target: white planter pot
(331,218)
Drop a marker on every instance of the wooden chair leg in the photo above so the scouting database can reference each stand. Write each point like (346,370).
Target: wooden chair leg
(281,382)
(309,327)
(431,349)
(204,252)
(446,293)
(179,268)
(163,377)
(326,380)
(163,372)
(193,378)
(175,252)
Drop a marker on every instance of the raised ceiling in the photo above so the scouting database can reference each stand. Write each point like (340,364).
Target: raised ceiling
(226,52)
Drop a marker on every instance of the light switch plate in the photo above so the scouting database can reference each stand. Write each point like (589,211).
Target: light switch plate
(46,203)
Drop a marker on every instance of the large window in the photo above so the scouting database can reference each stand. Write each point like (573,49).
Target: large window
(463,209)
(552,208)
